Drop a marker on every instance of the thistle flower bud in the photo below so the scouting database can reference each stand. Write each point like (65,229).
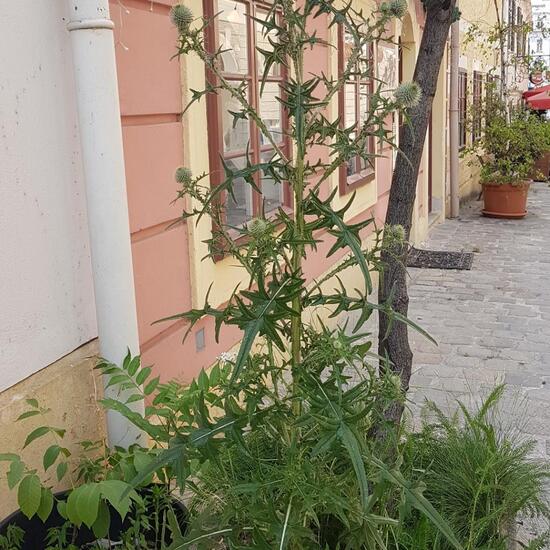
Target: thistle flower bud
(397,232)
(394,8)
(394,236)
(258,227)
(183,175)
(407,95)
(395,385)
(182,17)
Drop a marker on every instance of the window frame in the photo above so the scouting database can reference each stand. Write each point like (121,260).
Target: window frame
(462,107)
(477,98)
(511,25)
(348,184)
(215,111)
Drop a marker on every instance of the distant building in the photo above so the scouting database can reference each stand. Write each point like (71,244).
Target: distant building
(539,38)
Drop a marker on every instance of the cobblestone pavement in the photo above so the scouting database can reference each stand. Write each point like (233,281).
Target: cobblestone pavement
(492,323)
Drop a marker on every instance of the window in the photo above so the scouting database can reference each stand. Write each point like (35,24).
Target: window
(519,31)
(539,45)
(462,106)
(490,95)
(477,107)
(354,105)
(231,138)
(511,25)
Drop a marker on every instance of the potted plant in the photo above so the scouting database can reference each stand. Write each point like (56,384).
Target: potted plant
(506,152)
(276,445)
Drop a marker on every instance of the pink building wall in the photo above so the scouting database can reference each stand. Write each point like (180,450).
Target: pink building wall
(151,106)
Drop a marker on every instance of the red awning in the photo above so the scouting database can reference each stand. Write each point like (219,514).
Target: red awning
(540,101)
(535,91)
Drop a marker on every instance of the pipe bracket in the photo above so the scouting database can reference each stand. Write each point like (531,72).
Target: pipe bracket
(86,24)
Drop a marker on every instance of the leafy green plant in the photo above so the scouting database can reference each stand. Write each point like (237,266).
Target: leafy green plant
(273,445)
(99,480)
(508,149)
(13,539)
(478,474)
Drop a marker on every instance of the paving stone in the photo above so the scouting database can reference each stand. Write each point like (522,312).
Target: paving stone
(491,323)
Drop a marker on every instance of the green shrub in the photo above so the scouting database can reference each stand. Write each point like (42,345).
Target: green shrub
(478,474)
(508,149)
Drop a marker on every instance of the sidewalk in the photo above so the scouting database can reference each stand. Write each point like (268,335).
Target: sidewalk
(492,323)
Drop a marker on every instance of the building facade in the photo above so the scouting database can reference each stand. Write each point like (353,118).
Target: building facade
(539,38)
(48,319)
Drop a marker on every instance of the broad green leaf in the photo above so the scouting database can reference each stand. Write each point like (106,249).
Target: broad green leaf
(8,457)
(116,380)
(103,521)
(35,434)
(62,508)
(72,507)
(50,456)
(61,470)
(134,365)
(143,375)
(151,386)
(127,359)
(29,494)
(27,414)
(88,502)
(32,403)
(15,473)
(133,398)
(46,504)
(118,493)
(202,381)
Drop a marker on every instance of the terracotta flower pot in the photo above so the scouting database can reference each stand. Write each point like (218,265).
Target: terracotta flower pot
(542,166)
(505,200)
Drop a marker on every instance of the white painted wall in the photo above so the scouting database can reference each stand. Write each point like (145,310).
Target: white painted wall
(46,293)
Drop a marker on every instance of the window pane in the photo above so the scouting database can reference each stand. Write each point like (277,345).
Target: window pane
(349,46)
(238,210)
(232,37)
(263,42)
(270,111)
(235,134)
(364,96)
(272,191)
(351,167)
(364,93)
(349,105)
(365,62)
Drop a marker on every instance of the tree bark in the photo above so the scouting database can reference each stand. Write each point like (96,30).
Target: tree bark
(393,340)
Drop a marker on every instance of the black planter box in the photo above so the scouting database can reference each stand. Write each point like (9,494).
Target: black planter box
(36,531)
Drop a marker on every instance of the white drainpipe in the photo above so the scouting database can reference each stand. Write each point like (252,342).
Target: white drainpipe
(453,120)
(92,40)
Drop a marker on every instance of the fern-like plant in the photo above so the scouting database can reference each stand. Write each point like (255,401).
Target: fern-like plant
(479,474)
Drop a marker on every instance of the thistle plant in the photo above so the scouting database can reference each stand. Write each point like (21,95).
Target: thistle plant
(273,444)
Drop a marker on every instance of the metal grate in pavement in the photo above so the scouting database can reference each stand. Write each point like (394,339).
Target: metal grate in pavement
(439,259)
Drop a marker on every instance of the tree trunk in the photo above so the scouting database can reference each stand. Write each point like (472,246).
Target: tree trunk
(393,341)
